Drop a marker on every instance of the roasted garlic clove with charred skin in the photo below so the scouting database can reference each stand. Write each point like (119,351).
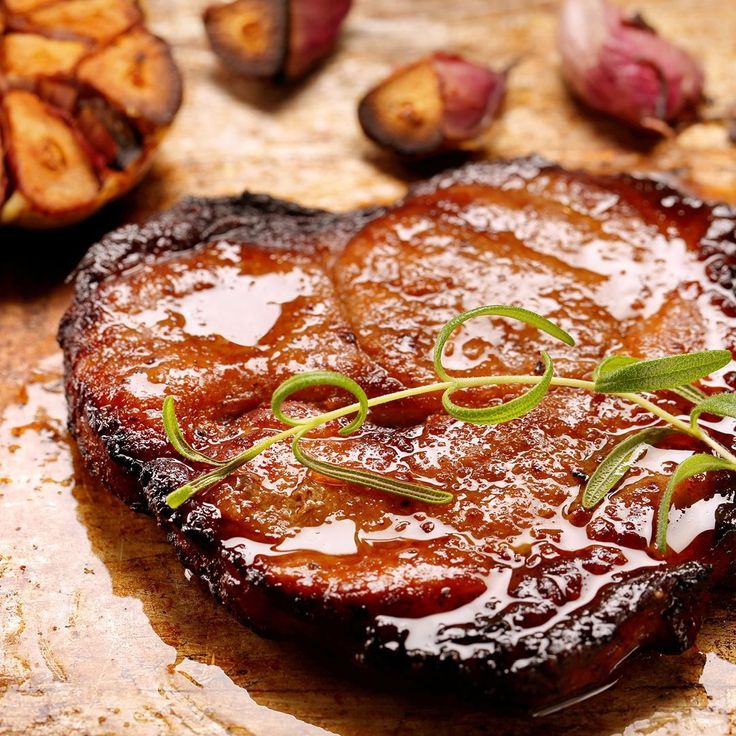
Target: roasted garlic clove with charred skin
(279,39)
(97,21)
(86,95)
(137,75)
(439,103)
(48,159)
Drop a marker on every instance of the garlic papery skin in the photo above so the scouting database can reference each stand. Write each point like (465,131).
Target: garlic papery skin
(619,65)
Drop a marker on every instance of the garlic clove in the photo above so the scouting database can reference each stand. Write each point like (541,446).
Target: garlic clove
(438,103)
(619,65)
(314,26)
(471,95)
(281,39)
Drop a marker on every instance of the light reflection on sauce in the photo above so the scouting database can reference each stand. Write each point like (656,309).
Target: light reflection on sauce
(686,525)
(657,262)
(422,634)
(332,538)
(341,537)
(595,255)
(242,310)
(224,299)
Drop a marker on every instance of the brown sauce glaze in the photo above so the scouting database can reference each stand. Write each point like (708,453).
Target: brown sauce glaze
(513,587)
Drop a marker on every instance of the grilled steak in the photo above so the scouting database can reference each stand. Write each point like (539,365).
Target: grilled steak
(514,590)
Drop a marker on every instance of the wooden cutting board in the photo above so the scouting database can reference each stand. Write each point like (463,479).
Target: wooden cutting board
(101,632)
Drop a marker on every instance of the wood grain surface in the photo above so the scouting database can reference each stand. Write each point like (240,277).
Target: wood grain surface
(101,632)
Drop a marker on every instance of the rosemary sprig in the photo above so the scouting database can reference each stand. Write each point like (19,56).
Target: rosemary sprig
(620,375)
(176,437)
(662,373)
(617,463)
(693,465)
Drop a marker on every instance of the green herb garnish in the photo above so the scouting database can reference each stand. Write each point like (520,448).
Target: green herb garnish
(617,463)
(662,373)
(620,375)
(722,405)
(176,438)
(694,465)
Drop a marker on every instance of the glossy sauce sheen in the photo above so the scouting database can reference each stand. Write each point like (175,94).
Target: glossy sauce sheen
(513,587)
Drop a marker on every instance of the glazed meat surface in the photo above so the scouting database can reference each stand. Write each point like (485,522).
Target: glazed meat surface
(513,590)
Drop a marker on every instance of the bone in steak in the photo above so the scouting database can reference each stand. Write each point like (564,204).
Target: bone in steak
(514,590)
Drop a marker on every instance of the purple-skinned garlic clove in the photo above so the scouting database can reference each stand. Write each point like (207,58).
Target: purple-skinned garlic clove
(314,27)
(438,103)
(471,94)
(280,39)
(617,64)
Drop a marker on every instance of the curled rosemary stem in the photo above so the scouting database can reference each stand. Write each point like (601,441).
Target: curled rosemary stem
(621,376)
